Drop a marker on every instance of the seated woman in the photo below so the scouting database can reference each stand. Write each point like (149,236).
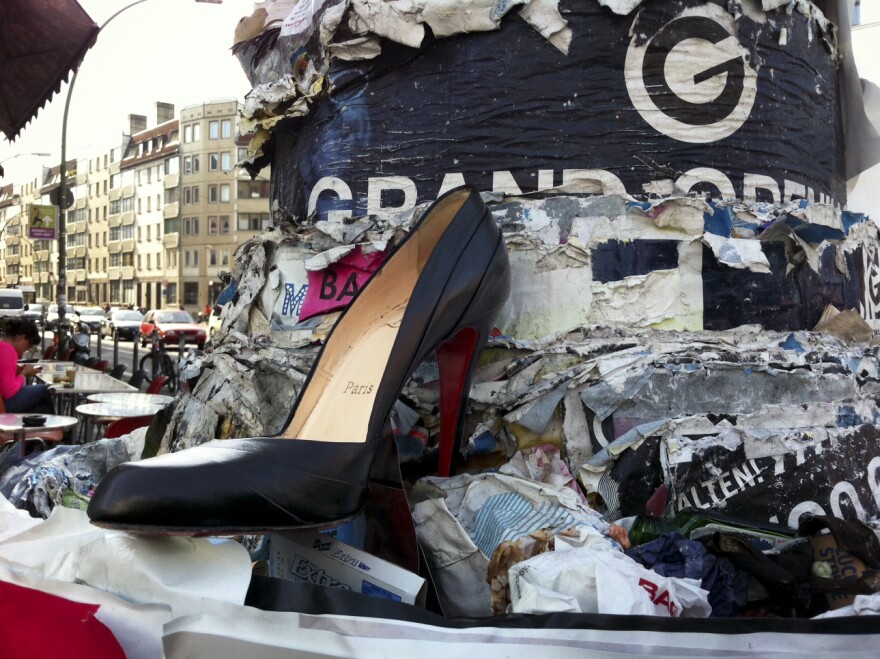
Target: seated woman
(19,335)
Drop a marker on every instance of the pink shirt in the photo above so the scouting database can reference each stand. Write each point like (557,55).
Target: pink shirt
(10,381)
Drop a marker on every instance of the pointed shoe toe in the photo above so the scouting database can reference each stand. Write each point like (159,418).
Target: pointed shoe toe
(236,485)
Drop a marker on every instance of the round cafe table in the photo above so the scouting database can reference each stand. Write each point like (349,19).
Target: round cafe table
(112,411)
(137,399)
(12,423)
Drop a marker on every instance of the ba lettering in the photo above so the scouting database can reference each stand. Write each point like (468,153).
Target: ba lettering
(330,290)
(659,599)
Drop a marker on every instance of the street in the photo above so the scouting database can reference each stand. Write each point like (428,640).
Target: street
(125,352)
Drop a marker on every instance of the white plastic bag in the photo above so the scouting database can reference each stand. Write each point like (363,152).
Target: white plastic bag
(600,579)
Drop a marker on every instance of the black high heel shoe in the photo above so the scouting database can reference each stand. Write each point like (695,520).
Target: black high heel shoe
(440,289)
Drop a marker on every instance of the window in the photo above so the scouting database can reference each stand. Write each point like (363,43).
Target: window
(212,194)
(149,204)
(115,233)
(149,228)
(187,133)
(115,260)
(128,290)
(242,152)
(212,256)
(186,259)
(224,192)
(190,292)
(224,257)
(187,164)
(172,225)
(195,163)
(253,221)
(253,189)
(195,257)
(139,262)
(213,161)
(195,194)
(149,174)
(226,161)
(116,207)
(187,195)
(226,126)
(172,195)
(128,205)
(171,293)
(127,232)
(127,259)
(213,225)
(171,166)
(149,264)
(140,206)
(116,291)
(197,132)
(213,130)
(195,226)
(224,224)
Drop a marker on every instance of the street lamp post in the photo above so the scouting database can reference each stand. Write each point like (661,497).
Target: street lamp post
(61,292)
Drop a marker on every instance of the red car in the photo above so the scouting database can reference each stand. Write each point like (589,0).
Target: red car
(170,326)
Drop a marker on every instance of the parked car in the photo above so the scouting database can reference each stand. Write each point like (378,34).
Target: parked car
(171,326)
(52,315)
(35,311)
(125,323)
(91,316)
(11,302)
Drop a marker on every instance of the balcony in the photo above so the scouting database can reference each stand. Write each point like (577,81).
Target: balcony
(171,181)
(114,221)
(171,240)
(80,276)
(128,245)
(128,191)
(128,272)
(114,273)
(114,247)
(81,203)
(13,259)
(13,240)
(79,252)
(42,256)
(171,210)
(42,278)
(127,218)
(115,195)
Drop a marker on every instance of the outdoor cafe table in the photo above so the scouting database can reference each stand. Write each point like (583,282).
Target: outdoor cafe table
(13,423)
(126,398)
(113,411)
(86,382)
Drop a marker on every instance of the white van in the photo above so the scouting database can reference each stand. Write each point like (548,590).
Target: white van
(11,302)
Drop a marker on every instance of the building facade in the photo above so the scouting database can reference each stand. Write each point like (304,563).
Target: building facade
(154,219)
(220,206)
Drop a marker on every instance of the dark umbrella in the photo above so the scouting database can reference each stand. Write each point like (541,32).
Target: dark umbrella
(41,42)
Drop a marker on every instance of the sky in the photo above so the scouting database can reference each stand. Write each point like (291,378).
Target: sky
(177,51)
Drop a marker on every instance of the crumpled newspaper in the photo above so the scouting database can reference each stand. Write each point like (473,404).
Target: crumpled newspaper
(66,475)
(594,577)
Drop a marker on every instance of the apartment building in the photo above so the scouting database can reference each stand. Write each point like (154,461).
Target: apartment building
(220,207)
(138,241)
(155,218)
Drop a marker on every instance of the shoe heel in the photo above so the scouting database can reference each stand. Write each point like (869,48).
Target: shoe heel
(456,358)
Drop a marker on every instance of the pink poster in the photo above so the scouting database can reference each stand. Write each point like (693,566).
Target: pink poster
(335,287)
